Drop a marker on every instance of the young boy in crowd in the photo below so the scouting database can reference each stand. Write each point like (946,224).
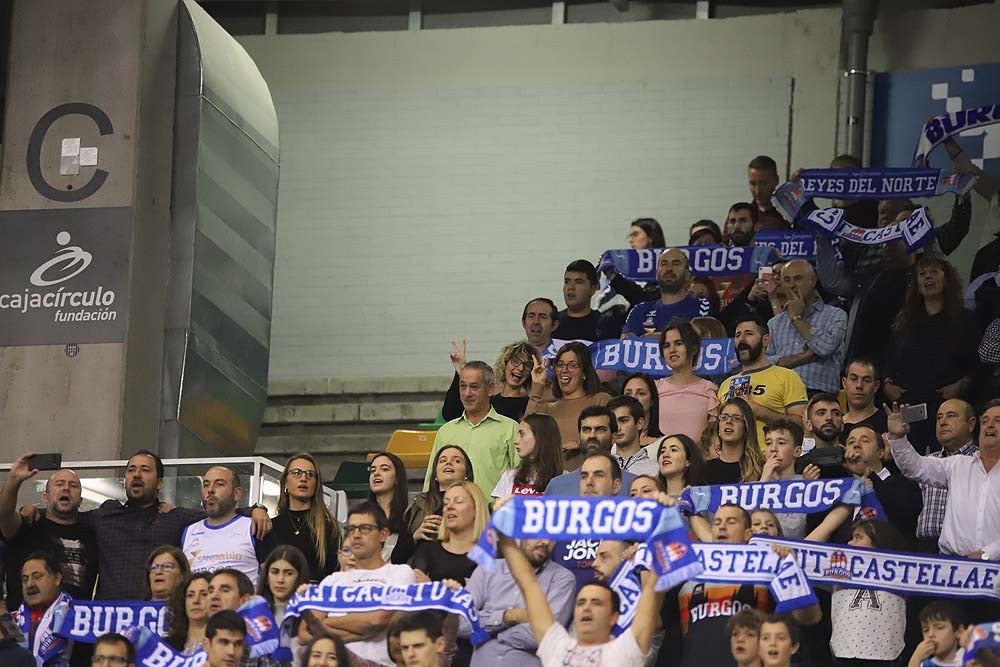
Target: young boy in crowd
(779,641)
(744,634)
(940,621)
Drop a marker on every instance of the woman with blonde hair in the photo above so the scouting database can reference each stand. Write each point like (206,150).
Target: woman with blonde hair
(513,380)
(465,515)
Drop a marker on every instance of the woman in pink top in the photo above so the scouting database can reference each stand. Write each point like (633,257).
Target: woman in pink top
(687,403)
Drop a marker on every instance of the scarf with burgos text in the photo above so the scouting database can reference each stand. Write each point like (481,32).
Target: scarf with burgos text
(632,355)
(86,620)
(362,598)
(854,567)
(894,183)
(49,649)
(703,260)
(785,496)
(152,651)
(942,126)
(564,519)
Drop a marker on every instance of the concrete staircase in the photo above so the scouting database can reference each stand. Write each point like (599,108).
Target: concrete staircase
(338,420)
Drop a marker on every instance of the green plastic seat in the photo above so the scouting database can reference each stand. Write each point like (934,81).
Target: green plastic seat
(352,479)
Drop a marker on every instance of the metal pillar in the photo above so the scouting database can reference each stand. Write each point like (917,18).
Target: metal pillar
(859,21)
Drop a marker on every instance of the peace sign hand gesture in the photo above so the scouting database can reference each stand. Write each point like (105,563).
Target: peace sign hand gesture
(457,356)
(538,375)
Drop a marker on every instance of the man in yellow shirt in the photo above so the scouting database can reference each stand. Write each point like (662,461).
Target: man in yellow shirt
(773,392)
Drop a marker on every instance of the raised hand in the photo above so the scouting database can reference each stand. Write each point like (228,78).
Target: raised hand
(539,377)
(811,472)
(896,427)
(20,471)
(457,356)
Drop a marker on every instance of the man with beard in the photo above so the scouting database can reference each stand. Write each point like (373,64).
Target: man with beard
(773,392)
(224,539)
(59,532)
(502,610)
(127,532)
(597,425)
(673,277)
(809,335)
(825,421)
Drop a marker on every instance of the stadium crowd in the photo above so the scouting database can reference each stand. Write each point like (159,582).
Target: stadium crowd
(868,362)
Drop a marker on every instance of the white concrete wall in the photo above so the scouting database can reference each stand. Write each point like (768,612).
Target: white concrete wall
(434,181)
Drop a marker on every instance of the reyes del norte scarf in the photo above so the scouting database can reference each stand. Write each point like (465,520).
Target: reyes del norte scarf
(564,519)
(942,126)
(785,496)
(353,599)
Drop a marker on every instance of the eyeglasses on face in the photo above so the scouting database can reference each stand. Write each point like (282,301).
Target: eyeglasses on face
(166,567)
(363,528)
(567,366)
(299,472)
(731,418)
(520,363)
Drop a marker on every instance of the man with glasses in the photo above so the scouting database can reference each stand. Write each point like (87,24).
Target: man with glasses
(113,650)
(224,539)
(366,532)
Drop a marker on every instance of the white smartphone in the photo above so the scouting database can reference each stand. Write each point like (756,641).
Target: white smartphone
(914,413)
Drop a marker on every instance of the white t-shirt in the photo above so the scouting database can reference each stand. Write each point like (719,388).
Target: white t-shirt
(229,545)
(558,649)
(373,649)
(505,487)
(868,624)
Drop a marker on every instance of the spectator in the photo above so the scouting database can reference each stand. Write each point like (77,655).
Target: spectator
(740,459)
(58,532)
(672,276)
(504,614)
(486,435)
(514,364)
(610,555)
(11,653)
(540,450)
(687,403)
(421,639)
(933,355)
(762,175)
(642,388)
(579,321)
(188,614)
(765,522)
(709,327)
(41,583)
(744,636)
(987,258)
(703,619)
(861,381)
(325,650)
(224,539)
(126,533)
(711,445)
(772,392)
(704,232)
(779,641)
(225,639)
(166,568)
(594,615)
(577,387)
(632,456)
(112,650)
(956,421)
(466,513)
(646,233)
(809,335)
(868,623)
(972,514)
(647,486)
(228,589)
(741,223)
(900,497)
(387,484)
(940,623)
(704,287)
(284,571)
(423,516)
(539,318)
(681,464)
(783,444)
(596,425)
(825,422)
(364,632)
(303,519)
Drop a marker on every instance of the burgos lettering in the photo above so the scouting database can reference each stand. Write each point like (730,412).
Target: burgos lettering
(94,620)
(573,517)
(67,263)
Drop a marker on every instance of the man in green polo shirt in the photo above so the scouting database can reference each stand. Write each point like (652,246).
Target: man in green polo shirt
(485,435)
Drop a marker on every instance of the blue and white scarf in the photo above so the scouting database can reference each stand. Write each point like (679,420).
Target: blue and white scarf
(632,355)
(703,260)
(564,519)
(856,567)
(757,564)
(894,183)
(942,126)
(152,651)
(984,635)
(86,620)
(627,583)
(786,496)
(49,649)
(355,599)
(792,244)
(915,231)
(263,632)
